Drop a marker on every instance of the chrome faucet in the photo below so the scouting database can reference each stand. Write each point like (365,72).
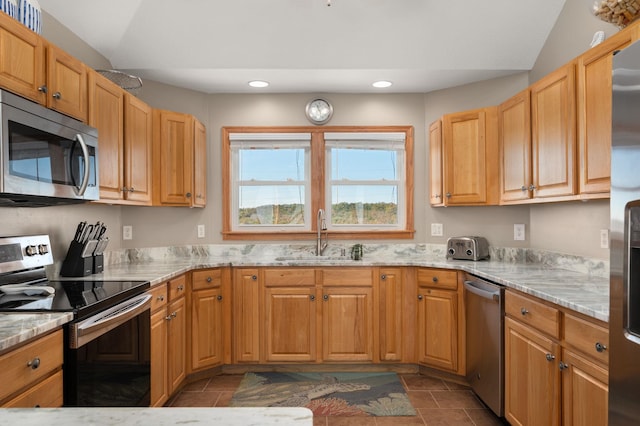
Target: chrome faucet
(321,225)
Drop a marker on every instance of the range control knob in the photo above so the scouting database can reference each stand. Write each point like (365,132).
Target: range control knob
(452,251)
(31,250)
(469,252)
(43,249)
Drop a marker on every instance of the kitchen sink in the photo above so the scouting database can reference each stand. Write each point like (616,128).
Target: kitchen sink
(314,259)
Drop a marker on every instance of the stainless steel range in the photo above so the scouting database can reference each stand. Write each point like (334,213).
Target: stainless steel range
(107,344)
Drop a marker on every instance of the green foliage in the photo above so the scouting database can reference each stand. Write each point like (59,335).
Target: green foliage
(342,214)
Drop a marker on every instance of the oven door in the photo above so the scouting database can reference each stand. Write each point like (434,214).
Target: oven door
(107,357)
(44,158)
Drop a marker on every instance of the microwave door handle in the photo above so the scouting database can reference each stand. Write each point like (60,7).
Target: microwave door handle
(85,154)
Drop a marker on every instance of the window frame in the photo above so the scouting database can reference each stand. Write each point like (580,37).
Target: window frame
(318,185)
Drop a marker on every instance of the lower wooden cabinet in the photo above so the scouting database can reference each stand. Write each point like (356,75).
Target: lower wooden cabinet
(159,318)
(555,365)
(440,334)
(210,314)
(532,376)
(177,332)
(31,375)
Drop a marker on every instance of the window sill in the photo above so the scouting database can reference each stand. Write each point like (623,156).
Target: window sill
(310,235)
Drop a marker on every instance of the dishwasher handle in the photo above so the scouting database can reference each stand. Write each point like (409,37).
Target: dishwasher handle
(491,295)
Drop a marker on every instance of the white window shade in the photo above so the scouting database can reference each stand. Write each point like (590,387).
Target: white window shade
(269,140)
(348,140)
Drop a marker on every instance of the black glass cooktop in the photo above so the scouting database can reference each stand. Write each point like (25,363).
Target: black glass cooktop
(83,298)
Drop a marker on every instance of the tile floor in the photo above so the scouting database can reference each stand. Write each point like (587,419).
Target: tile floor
(438,402)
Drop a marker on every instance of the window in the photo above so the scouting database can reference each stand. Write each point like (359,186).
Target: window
(276,179)
(365,180)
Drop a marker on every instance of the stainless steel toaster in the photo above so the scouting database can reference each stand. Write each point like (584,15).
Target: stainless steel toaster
(467,248)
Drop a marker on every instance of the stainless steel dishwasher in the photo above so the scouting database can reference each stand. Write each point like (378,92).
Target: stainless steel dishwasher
(484,309)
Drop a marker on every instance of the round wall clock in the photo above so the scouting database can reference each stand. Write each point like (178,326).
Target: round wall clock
(319,111)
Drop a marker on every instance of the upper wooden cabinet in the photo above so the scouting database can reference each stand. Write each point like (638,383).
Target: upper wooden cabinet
(594,114)
(435,163)
(22,60)
(40,71)
(553,133)
(514,125)
(470,157)
(66,83)
(179,165)
(138,145)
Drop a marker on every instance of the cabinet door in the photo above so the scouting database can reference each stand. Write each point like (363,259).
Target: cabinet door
(347,324)
(390,314)
(435,161)
(246,311)
(438,328)
(173,158)
(514,123)
(594,114)
(138,141)
(106,113)
(585,391)
(22,60)
(532,377)
(45,394)
(67,84)
(553,133)
(159,384)
(177,342)
(290,324)
(200,165)
(470,151)
(207,328)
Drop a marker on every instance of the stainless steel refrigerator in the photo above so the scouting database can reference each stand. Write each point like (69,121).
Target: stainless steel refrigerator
(624,315)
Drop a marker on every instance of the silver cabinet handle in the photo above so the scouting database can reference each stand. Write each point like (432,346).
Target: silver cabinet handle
(420,297)
(532,187)
(254,277)
(600,347)
(34,363)
(325,297)
(57,96)
(43,89)
(383,277)
(188,195)
(209,279)
(448,195)
(563,366)
(219,297)
(550,357)
(312,297)
(524,188)
(524,311)
(161,298)
(180,287)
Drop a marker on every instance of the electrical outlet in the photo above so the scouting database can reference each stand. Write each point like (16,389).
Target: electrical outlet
(604,238)
(518,231)
(436,230)
(200,231)
(127,232)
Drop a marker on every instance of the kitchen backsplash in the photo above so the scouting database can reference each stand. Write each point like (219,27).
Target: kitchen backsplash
(374,252)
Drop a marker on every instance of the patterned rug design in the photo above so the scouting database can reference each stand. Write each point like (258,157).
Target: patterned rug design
(326,394)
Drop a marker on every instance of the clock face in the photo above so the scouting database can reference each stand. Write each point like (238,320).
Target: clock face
(319,111)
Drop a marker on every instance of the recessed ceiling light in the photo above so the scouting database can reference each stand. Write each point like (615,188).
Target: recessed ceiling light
(258,83)
(382,84)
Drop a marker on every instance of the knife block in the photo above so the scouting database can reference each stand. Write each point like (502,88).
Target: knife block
(75,265)
(98,263)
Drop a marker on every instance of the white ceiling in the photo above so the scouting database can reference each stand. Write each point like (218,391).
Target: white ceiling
(303,46)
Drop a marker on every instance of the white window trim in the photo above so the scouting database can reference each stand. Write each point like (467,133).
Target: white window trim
(240,141)
(357,140)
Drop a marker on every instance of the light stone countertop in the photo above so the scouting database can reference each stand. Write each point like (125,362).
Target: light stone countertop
(121,416)
(569,281)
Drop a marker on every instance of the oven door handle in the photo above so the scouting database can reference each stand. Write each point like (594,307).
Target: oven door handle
(93,327)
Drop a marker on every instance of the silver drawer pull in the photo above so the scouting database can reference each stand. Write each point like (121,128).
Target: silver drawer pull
(34,363)
(550,357)
(524,311)
(600,347)
(563,366)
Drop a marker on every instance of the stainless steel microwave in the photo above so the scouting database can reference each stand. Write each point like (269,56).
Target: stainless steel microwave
(46,158)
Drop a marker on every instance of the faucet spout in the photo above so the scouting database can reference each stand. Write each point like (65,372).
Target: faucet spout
(321,226)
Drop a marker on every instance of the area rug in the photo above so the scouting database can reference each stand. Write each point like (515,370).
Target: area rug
(326,394)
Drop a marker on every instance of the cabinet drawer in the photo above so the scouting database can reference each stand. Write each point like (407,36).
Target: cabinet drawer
(177,287)
(290,277)
(344,276)
(538,315)
(158,297)
(17,369)
(591,339)
(438,278)
(46,394)
(206,278)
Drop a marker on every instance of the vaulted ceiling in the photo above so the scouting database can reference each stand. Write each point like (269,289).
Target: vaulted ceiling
(302,46)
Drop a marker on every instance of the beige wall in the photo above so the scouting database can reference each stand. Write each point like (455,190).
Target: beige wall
(565,227)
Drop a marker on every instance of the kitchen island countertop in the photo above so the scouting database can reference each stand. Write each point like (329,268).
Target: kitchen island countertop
(121,416)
